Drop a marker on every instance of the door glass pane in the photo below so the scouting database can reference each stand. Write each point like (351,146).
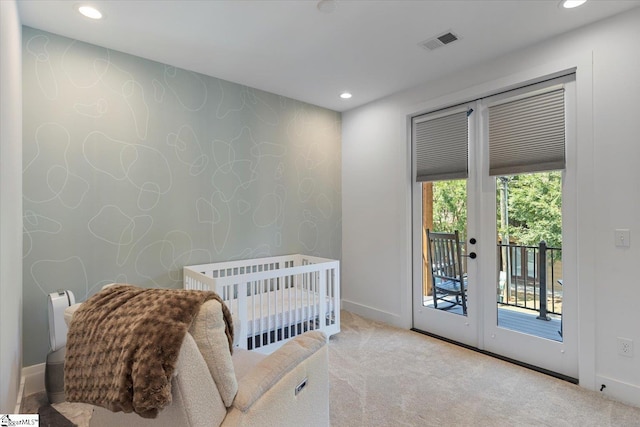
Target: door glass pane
(529,245)
(444,210)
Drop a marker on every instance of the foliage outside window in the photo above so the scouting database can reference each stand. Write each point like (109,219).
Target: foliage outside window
(535,209)
(534,202)
(450,207)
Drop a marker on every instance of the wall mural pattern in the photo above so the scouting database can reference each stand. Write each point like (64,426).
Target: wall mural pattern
(133,169)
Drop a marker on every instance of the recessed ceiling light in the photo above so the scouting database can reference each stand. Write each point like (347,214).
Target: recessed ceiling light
(345,95)
(90,12)
(570,4)
(326,6)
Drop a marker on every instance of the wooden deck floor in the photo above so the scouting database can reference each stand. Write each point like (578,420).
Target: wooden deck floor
(528,323)
(521,320)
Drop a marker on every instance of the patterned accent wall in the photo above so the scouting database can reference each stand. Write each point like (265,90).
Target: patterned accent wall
(134,169)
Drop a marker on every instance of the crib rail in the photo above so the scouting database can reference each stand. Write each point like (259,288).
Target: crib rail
(274,298)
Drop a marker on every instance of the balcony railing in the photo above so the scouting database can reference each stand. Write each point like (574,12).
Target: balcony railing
(523,283)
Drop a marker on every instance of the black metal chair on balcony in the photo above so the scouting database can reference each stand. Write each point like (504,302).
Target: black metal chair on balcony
(448,278)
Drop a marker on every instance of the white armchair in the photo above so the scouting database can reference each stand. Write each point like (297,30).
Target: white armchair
(289,387)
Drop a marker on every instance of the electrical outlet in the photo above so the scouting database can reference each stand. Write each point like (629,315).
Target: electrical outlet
(625,347)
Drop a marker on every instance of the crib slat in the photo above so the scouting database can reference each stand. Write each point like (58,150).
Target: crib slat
(242,312)
(322,293)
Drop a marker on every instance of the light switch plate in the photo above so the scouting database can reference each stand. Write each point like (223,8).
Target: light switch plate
(623,237)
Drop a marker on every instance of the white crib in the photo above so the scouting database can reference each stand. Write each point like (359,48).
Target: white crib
(274,298)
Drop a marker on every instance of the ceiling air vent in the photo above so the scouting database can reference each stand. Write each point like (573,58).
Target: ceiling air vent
(439,41)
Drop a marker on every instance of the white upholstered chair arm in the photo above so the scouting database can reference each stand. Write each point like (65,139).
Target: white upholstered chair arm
(295,375)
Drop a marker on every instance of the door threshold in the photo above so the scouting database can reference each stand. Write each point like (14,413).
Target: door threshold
(498,356)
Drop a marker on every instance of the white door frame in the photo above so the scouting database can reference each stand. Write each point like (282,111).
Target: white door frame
(583,265)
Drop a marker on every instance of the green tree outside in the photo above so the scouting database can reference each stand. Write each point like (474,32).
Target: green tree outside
(535,209)
(450,207)
(534,203)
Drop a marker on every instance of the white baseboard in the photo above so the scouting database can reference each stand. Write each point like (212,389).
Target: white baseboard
(33,377)
(619,390)
(31,381)
(20,396)
(373,313)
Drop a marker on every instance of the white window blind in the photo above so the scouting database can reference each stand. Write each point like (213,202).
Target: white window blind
(527,134)
(441,143)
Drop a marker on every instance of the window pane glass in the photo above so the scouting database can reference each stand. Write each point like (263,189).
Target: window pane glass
(529,244)
(444,210)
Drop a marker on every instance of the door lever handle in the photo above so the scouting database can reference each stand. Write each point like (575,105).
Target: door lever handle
(472,255)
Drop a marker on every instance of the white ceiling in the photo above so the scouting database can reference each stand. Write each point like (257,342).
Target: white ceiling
(289,47)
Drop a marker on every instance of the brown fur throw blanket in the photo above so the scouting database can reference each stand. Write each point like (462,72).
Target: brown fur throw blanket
(123,345)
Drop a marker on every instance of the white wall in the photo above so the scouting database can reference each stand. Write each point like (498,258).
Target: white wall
(10,204)
(376,195)
(374,271)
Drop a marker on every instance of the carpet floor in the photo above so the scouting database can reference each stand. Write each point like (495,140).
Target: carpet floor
(384,376)
(57,415)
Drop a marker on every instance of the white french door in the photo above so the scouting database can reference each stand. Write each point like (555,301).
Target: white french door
(450,322)
(484,325)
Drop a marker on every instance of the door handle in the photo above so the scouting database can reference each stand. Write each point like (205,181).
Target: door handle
(472,255)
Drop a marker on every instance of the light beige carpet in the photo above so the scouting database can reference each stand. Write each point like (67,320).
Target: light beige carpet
(383,376)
